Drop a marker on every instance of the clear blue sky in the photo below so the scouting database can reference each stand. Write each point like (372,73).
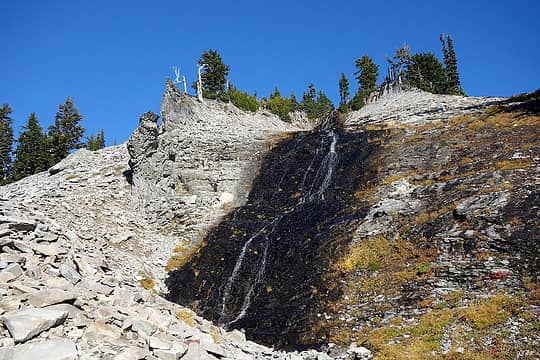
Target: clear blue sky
(113,56)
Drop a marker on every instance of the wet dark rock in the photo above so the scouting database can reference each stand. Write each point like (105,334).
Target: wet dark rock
(278,245)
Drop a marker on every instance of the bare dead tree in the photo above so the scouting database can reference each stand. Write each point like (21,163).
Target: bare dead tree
(177,80)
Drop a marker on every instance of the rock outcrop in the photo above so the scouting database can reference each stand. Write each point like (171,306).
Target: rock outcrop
(199,161)
(414,107)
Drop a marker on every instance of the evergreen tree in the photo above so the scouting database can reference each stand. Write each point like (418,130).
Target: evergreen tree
(94,142)
(366,75)
(343,93)
(91,142)
(343,90)
(308,102)
(294,102)
(31,155)
(450,61)
(242,100)
(213,76)
(6,144)
(425,72)
(399,62)
(66,133)
(278,105)
(101,139)
(324,105)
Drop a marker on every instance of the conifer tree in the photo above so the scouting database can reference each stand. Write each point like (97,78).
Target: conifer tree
(324,105)
(31,155)
(96,142)
(66,133)
(214,75)
(425,72)
(278,105)
(101,139)
(294,102)
(343,90)
(308,102)
(6,144)
(366,75)
(399,62)
(450,61)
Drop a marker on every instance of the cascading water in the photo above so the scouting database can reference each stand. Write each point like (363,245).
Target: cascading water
(320,182)
(264,267)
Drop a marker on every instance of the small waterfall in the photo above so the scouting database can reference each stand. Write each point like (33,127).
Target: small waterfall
(319,184)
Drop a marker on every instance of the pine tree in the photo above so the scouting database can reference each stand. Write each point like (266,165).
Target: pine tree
(425,72)
(399,62)
(242,100)
(343,90)
(308,102)
(94,142)
(324,105)
(66,133)
(6,144)
(366,75)
(91,142)
(294,102)
(278,105)
(450,61)
(31,154)
(213,76)
(101,139)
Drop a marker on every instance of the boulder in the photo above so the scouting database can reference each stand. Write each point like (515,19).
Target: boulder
(11,272)
(25,324)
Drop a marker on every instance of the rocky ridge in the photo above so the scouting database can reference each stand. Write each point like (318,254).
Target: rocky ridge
(414,107)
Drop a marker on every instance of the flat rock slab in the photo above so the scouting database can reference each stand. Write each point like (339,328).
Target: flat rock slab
(50,296)
(55,349)
(47,249)
(11,272)
(24,325)
(18,224)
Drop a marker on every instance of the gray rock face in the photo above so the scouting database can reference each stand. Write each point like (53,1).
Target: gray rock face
(414,107)
(199,161)
(71,161)
(26,324)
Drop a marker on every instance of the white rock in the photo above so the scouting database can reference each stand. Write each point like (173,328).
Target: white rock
(55,349)
(46,249)
(132,353)
(118,238)
(70,274)
(25,324)
(11,272)
(160,341)
(50,296)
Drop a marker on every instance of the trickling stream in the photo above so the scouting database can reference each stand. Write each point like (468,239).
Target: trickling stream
(265,266)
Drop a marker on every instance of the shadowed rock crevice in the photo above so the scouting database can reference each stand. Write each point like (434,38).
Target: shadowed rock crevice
(265,266)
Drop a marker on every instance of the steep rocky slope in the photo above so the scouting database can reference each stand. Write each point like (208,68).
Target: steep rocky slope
(81,264)
(427,207)
(446,262)
(422,245)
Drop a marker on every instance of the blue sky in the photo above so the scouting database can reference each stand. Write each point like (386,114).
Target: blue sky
(112,57)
